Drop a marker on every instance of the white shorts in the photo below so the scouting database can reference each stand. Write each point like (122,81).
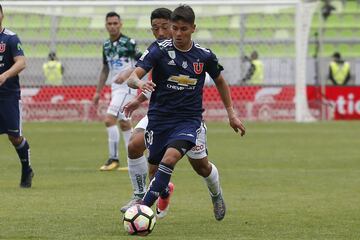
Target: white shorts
(197,152)
(118,101)
(142,124)
(200,150)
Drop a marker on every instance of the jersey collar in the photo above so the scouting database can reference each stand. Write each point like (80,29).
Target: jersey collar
(192,44)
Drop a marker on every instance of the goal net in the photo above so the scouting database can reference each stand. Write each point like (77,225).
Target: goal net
(278,31)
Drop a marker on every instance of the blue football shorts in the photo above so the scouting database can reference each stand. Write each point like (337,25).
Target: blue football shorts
(10,117)
(159,134)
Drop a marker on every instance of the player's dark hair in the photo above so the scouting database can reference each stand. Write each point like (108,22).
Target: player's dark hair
(162,13)
(112,14)
(183,13)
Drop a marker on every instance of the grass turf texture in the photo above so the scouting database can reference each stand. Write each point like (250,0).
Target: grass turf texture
(282,181)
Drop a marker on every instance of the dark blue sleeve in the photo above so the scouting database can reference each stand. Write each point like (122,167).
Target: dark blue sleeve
(15,46)
(149,58)
(212,66)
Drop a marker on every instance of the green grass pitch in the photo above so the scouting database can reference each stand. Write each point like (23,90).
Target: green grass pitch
(281,181)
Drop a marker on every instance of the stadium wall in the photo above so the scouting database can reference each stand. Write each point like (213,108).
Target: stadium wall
(253,103)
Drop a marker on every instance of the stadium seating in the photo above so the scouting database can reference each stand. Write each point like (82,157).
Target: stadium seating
(221,33)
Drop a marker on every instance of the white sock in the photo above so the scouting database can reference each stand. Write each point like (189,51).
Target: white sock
(113,140)
(138,169)
(126,134)
(212,181)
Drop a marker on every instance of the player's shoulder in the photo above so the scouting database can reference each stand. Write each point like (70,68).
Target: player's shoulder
(202,50)
(124,39)
(165,43)
(9,32)
(107,43)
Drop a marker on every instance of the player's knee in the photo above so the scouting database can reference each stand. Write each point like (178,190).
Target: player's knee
(110,121)
(125,125)
(135,149)
(15,141)
(203,168)
(171,160)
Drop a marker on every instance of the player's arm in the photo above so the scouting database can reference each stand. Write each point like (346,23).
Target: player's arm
(134,104)
(224,91)
(102,80)
(16,68)
(122,76)
(134,80)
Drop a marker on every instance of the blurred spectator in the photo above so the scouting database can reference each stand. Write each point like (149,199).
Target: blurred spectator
(255,74)
(327,9)
(339,70)
(53,70)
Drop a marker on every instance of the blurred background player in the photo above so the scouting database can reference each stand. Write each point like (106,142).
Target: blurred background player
(119,53)
(53,70)
(13,62)
(175,111)
(255,73)
(339,70)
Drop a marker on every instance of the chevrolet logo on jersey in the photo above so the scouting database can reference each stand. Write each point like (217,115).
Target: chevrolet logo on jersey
(183,80)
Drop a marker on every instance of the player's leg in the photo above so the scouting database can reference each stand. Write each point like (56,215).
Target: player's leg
(152,170)
(160,187)
(10,119)
(167,143)
(113,143)
(126,130)
(111,120)
(199,161)
(137,164)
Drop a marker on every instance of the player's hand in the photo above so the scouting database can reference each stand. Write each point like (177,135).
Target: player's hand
(130,107)
(237,125)
(147,86)
(2,79)
(96,98)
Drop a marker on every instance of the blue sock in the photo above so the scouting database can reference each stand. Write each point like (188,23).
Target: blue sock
(158,184)
(164,194)
(23,151)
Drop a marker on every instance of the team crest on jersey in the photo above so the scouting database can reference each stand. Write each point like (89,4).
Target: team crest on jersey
(172,54)
(2,47)
(198,67)
(184,64)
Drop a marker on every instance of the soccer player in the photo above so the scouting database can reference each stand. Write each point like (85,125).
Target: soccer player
(160,21)
(175,111)
(119,53)
(12,63)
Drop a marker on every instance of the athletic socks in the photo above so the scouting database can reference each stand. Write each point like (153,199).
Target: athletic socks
(23,151)
(212,181)
(158,184)
(113,141)
(138,169)
(126,134)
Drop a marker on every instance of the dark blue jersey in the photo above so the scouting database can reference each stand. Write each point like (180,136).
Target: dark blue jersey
(10,47)
(179,77)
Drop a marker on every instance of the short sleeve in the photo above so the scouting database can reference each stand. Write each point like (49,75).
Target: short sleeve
(15,46)
(213,66)
(134,50)
(149,58)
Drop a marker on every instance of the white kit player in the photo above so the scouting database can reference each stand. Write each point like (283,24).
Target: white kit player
(119,53)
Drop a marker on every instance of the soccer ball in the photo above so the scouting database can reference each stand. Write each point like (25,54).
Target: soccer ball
(139,220)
